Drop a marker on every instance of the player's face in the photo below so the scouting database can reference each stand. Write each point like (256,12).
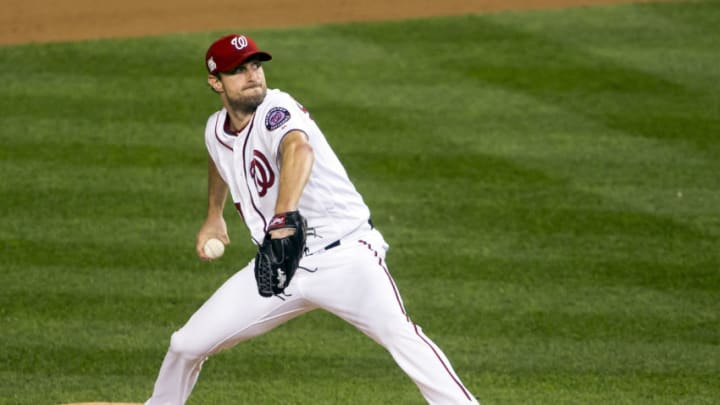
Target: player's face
(245,87)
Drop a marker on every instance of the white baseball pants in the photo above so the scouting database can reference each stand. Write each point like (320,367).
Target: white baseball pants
(351,281)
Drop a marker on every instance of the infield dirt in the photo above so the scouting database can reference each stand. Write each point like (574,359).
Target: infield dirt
(25,21)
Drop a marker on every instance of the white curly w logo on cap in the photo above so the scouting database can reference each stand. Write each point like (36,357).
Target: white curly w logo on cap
(239,42)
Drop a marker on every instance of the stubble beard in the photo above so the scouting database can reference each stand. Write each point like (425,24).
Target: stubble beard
(247,104)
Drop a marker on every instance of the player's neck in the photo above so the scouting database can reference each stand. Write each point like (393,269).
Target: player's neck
(234,123)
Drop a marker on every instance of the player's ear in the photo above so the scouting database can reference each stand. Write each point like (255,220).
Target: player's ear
(215,83)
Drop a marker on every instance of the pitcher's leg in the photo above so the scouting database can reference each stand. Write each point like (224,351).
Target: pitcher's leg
(234,313)
(427,365)
(358,288)
(421,359)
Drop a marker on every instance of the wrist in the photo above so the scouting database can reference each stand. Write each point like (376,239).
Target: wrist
(284,208)
(214,215)
(284,224)
(281,218)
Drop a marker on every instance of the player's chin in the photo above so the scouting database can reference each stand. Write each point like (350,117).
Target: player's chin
(249,100)
(255,94)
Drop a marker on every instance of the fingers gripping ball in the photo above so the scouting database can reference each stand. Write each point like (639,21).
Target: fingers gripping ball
(214,248)
(278,258)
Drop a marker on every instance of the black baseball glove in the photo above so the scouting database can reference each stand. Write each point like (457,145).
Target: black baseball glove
(277,259)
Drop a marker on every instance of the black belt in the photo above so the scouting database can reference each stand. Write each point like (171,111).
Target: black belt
(337,242)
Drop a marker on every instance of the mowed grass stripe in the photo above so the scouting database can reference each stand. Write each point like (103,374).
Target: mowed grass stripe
(547,181)
(623,97)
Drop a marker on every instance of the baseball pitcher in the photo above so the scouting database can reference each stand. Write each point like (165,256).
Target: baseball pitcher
(316,245)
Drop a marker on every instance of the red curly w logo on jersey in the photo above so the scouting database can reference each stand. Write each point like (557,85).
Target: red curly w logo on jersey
(262,173)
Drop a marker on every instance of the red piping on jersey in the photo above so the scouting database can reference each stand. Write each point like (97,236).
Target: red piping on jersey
(424,339)
(238,208)
(387,273)
(217,136)
(247,182)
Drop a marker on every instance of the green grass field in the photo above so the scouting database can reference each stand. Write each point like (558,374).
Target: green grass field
(549,182)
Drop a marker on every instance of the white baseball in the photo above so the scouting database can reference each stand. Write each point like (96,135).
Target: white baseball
(214,248)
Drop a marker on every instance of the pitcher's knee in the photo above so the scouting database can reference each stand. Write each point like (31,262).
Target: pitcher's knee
(185,346)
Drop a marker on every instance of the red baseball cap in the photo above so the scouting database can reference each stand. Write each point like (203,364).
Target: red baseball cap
(232,50)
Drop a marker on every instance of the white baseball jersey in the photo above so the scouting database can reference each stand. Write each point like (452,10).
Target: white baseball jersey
(330,202)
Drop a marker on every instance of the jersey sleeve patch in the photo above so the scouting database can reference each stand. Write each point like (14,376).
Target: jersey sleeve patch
(276,117)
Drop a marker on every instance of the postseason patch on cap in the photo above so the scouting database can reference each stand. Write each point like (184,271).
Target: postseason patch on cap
(276,117)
